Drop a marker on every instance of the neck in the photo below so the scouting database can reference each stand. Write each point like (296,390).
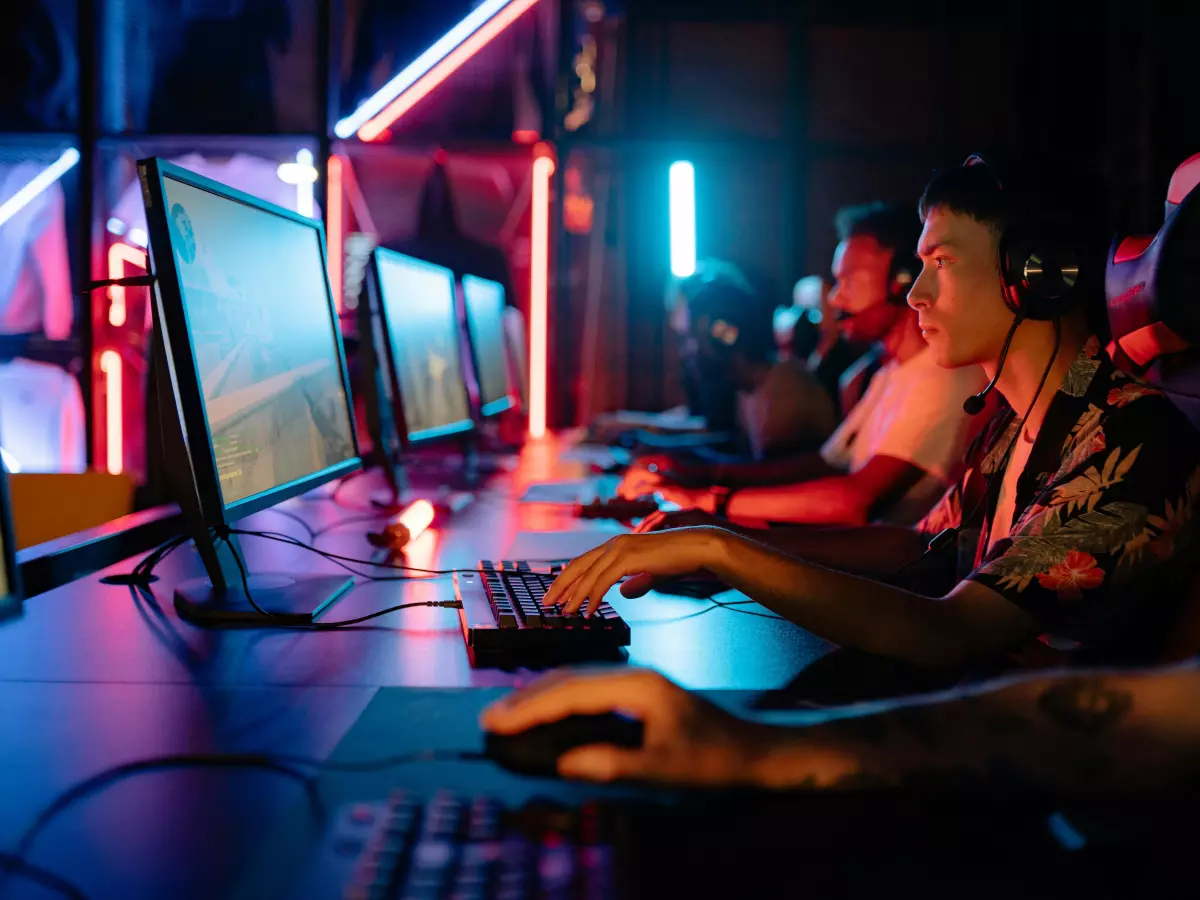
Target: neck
(904,341)
(1031,351)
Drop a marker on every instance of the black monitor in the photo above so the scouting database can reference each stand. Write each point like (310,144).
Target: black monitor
(413,301)
(252,384)
(10,576)
(484,302)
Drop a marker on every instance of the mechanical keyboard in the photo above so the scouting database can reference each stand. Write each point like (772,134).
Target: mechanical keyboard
(502,613)
(472,848)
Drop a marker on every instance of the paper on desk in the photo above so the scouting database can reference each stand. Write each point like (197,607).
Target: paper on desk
(556,545)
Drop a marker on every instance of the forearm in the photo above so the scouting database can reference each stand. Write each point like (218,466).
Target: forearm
(1090,732)
(877,551)
(788,470)
(848,610)
(827,501)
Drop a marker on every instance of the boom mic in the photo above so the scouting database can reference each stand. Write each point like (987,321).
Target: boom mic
(974,404)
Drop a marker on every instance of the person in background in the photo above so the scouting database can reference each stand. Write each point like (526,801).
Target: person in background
(899,447)
(828,354)
(1075,517)
(780,406)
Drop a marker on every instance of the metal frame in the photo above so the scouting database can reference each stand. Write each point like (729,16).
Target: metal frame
(184,374)
(10,597)
(388,328)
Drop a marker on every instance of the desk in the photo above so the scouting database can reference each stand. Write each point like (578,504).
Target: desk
(96,675)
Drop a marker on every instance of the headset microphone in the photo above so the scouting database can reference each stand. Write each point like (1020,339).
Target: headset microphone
(974,404)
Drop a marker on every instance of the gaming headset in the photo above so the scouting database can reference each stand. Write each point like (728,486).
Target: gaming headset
(1038,271)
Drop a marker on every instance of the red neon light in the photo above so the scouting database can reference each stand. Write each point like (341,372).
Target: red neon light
(539,300)
(110,365)
(374,129)
(336,228)
(525,136)
(118,255)
(417,518)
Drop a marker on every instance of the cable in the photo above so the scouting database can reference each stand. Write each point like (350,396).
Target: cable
(288,539)
(279,764)
(312,535)
(40,875)
(326,626)
(948,536)
(112,775)
(354,520)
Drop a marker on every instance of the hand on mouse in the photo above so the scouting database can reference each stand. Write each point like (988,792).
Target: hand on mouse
(669,553)
(687,740)
(687,518)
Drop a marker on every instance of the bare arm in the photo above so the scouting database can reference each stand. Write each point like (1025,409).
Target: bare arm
(1088,731)
(1098,731)
(971,622)
(877,551)
(848,499)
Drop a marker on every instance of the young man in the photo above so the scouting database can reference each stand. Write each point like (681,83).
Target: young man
(895,452)
(1082,491)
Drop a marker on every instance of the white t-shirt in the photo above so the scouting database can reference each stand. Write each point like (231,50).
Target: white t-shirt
(911,411)
(788,410)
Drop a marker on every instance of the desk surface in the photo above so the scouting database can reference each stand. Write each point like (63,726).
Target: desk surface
(95,675)
(91,632)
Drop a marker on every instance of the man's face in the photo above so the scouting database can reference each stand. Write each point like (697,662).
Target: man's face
(958,296)
(860,290)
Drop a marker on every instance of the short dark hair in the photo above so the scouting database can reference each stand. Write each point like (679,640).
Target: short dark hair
(1051,193)
(1059,196)
(893,227)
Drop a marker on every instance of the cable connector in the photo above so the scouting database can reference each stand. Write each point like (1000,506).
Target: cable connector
(447,604)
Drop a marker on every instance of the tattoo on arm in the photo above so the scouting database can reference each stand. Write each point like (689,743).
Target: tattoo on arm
(1088,705)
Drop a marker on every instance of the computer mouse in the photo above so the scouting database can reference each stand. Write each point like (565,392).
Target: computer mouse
(536,750)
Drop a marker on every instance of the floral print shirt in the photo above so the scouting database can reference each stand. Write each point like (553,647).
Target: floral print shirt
(1100,547)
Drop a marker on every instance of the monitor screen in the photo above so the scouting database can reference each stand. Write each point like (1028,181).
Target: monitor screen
(265,340)
(485,319)
(417,300)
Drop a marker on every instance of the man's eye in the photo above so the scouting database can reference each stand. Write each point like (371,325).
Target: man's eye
(940,261)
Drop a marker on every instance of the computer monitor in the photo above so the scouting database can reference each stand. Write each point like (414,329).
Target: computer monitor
(10,576)
(252,381)
(484,301)
(414,303)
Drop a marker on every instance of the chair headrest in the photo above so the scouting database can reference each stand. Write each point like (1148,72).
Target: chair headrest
(1153,281)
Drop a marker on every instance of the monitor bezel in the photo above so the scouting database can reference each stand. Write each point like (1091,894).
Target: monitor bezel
(507,402)
(430,435)
(10,601)
(181,352)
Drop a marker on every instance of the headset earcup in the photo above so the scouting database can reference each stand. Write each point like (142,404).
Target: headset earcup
(1012,261)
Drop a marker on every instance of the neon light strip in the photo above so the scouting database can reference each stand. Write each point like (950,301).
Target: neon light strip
(334,237)
(40,182)
(435,72)
(110,365)
(118,255)
(303,176)
(539,300)
(683,219)
(420,66)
